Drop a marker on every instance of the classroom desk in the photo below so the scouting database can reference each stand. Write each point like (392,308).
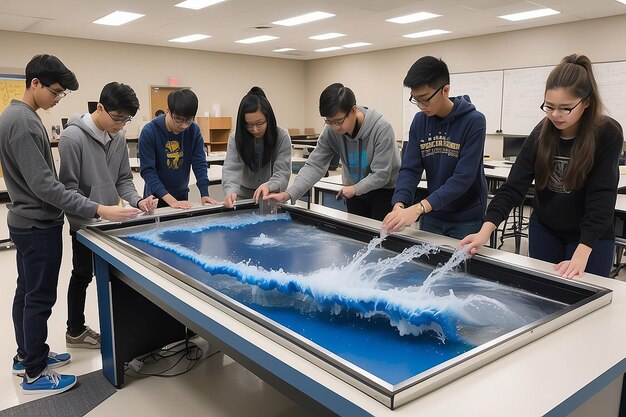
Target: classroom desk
(551,376)
(498,171)
(326,189)
(213,158)
(129,139)
(304,139)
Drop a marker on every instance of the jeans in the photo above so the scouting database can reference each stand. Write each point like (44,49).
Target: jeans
(456,230)
(544,245)
(38,256)
(82,274)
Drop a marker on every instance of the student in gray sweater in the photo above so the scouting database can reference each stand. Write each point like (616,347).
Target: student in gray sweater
(258,157)
(94,163)
(365,142)
(35,221)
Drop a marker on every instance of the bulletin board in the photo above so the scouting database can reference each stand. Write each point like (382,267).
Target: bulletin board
(10,87)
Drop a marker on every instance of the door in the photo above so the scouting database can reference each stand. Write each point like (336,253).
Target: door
(158,98)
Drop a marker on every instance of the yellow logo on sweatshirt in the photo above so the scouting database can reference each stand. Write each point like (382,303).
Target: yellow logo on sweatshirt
(174,154)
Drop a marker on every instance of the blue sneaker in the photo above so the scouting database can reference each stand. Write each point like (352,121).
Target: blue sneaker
(48,382)
(55,360)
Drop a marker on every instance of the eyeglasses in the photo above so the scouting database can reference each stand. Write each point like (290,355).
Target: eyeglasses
(258,125)
(337,122)
(426,102)
(563,110)
(122,120)
(57,94)
(181,120)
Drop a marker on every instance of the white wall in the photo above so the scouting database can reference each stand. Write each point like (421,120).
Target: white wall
(214,77)
(376,77)
(293,87)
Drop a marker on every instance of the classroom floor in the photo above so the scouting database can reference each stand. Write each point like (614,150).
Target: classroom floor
(215,387)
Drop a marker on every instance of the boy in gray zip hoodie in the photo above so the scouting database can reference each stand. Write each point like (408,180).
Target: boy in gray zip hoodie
(94,163)
(366,144)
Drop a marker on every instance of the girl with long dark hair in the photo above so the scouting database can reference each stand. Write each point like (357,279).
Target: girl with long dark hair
(572,155)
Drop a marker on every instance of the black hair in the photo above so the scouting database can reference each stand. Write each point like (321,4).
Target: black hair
(158,113)
(119,97)
(183,103)
(49,69)
(336,98)
(429,71)
(255,100)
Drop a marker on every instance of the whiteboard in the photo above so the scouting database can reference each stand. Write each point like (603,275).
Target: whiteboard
(510,98)
(611,79)
(524,89)
(484,89)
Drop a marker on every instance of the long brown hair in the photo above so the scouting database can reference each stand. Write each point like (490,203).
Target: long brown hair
(575,75)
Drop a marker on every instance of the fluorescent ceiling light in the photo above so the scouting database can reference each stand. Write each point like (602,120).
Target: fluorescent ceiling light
(190,38)
(117,18)
(622,1)
(330,48)
(305,18)
(283,50)
(415,17)
(257,39)
(356,44)
(197,4)
(325,36)
(533,14)
(426,33)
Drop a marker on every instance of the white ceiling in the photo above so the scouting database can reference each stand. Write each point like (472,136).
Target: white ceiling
(360,20)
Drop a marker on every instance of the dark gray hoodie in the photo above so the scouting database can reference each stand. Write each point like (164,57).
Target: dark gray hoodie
(37,195)
(97,168)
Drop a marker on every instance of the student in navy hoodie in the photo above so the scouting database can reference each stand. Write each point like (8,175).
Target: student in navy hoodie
(169,147)
(446,139)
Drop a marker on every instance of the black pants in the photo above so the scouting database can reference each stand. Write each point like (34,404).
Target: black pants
(375,204)
(38,257)
(82,275)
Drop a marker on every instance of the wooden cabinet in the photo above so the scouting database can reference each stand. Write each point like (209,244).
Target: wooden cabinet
(215,131)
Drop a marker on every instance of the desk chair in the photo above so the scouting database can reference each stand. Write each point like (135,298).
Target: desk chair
(518,225)
(511,146)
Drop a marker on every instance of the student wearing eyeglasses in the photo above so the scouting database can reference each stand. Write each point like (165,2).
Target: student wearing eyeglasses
(258,156)
(35,220)
(169,147)
(446,140)
(572,155)
(366,144)
(94,163)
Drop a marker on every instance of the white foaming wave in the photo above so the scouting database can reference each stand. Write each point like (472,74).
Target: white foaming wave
(264,240)
(353,287)
(230,222)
